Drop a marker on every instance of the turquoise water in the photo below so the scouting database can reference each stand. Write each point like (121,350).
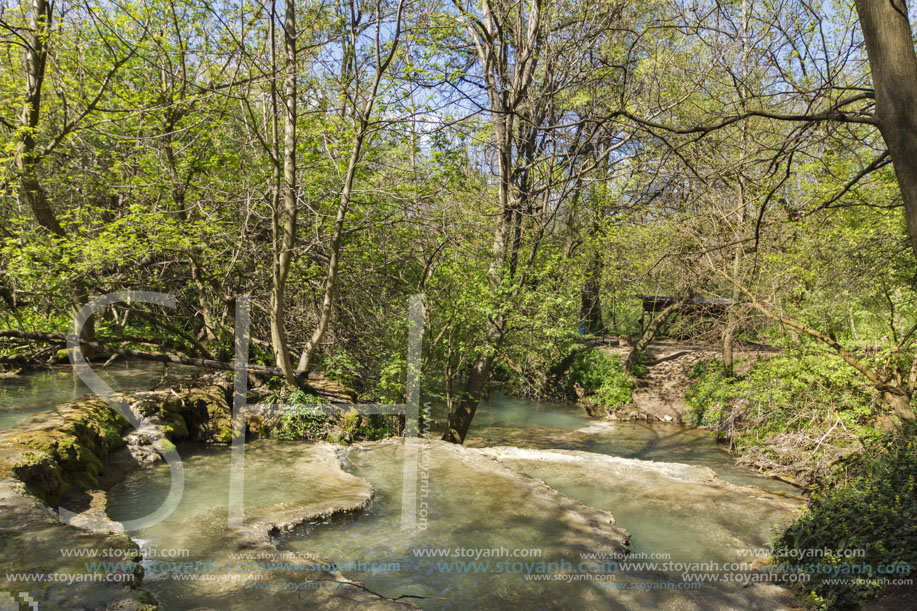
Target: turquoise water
(25,395)
(511,421)
(675,512)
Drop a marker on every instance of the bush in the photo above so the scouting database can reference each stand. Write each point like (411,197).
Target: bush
(780,386)
(712,393)
(305,421)
(868,505)
(792,415)
(601,376)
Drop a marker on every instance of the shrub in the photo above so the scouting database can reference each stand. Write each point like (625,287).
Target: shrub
(304,421)
(779,388)
(792,415)
(868,505)
(601,376)
(712,393)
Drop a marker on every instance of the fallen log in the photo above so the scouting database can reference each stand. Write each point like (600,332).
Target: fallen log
(103,348)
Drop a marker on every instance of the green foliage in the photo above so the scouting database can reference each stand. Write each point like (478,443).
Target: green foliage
(341,367)
(374,428)
(711,394)
(304,421)
(391,386)
(792,414)
(601,376)
(870,506)
(780,386)
(350,421)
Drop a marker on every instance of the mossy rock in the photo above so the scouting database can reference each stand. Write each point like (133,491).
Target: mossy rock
(209,414)
(64,454)
(174,426)
(69,450)
(41,472)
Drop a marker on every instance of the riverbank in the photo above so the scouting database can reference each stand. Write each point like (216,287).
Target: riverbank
(310,487)
(783,418)
(804,416)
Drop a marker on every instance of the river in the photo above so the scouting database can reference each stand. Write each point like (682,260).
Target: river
(487,502)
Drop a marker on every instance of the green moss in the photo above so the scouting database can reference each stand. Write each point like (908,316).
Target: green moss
(224,433)
(174,427)
(351,421)
(54,461)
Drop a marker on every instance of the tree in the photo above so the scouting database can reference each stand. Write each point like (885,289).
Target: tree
(35,39)
(27,154)
(893,63)
(542,144)
(361,124)
(283,222)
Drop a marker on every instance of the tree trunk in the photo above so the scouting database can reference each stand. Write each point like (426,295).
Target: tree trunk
(731,318)
(30,190)
(460,418)
(591,304)
(332,270)
(506,87)
(893,63)
(899,400)
(283,252)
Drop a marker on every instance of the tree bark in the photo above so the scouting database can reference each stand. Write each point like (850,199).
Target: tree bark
(893,63)
(591,303)
(102,348)
(283,253)
(31,191)
(332,270)
(461,416)
(731,318)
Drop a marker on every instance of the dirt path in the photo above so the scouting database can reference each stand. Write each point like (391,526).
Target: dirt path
(660,395)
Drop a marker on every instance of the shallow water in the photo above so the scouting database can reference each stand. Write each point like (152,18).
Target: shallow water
(24,395)
(670,509)
(468,507)
(281,479)
(511,421)
(480,499)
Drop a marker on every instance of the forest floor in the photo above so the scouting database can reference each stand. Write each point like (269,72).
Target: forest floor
(659,395)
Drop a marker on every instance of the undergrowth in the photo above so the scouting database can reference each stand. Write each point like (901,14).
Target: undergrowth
(600,377)
(791,415)
(865,513)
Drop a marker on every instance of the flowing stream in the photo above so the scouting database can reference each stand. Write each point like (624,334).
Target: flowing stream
(24,396)
(535,487)
(484,498)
